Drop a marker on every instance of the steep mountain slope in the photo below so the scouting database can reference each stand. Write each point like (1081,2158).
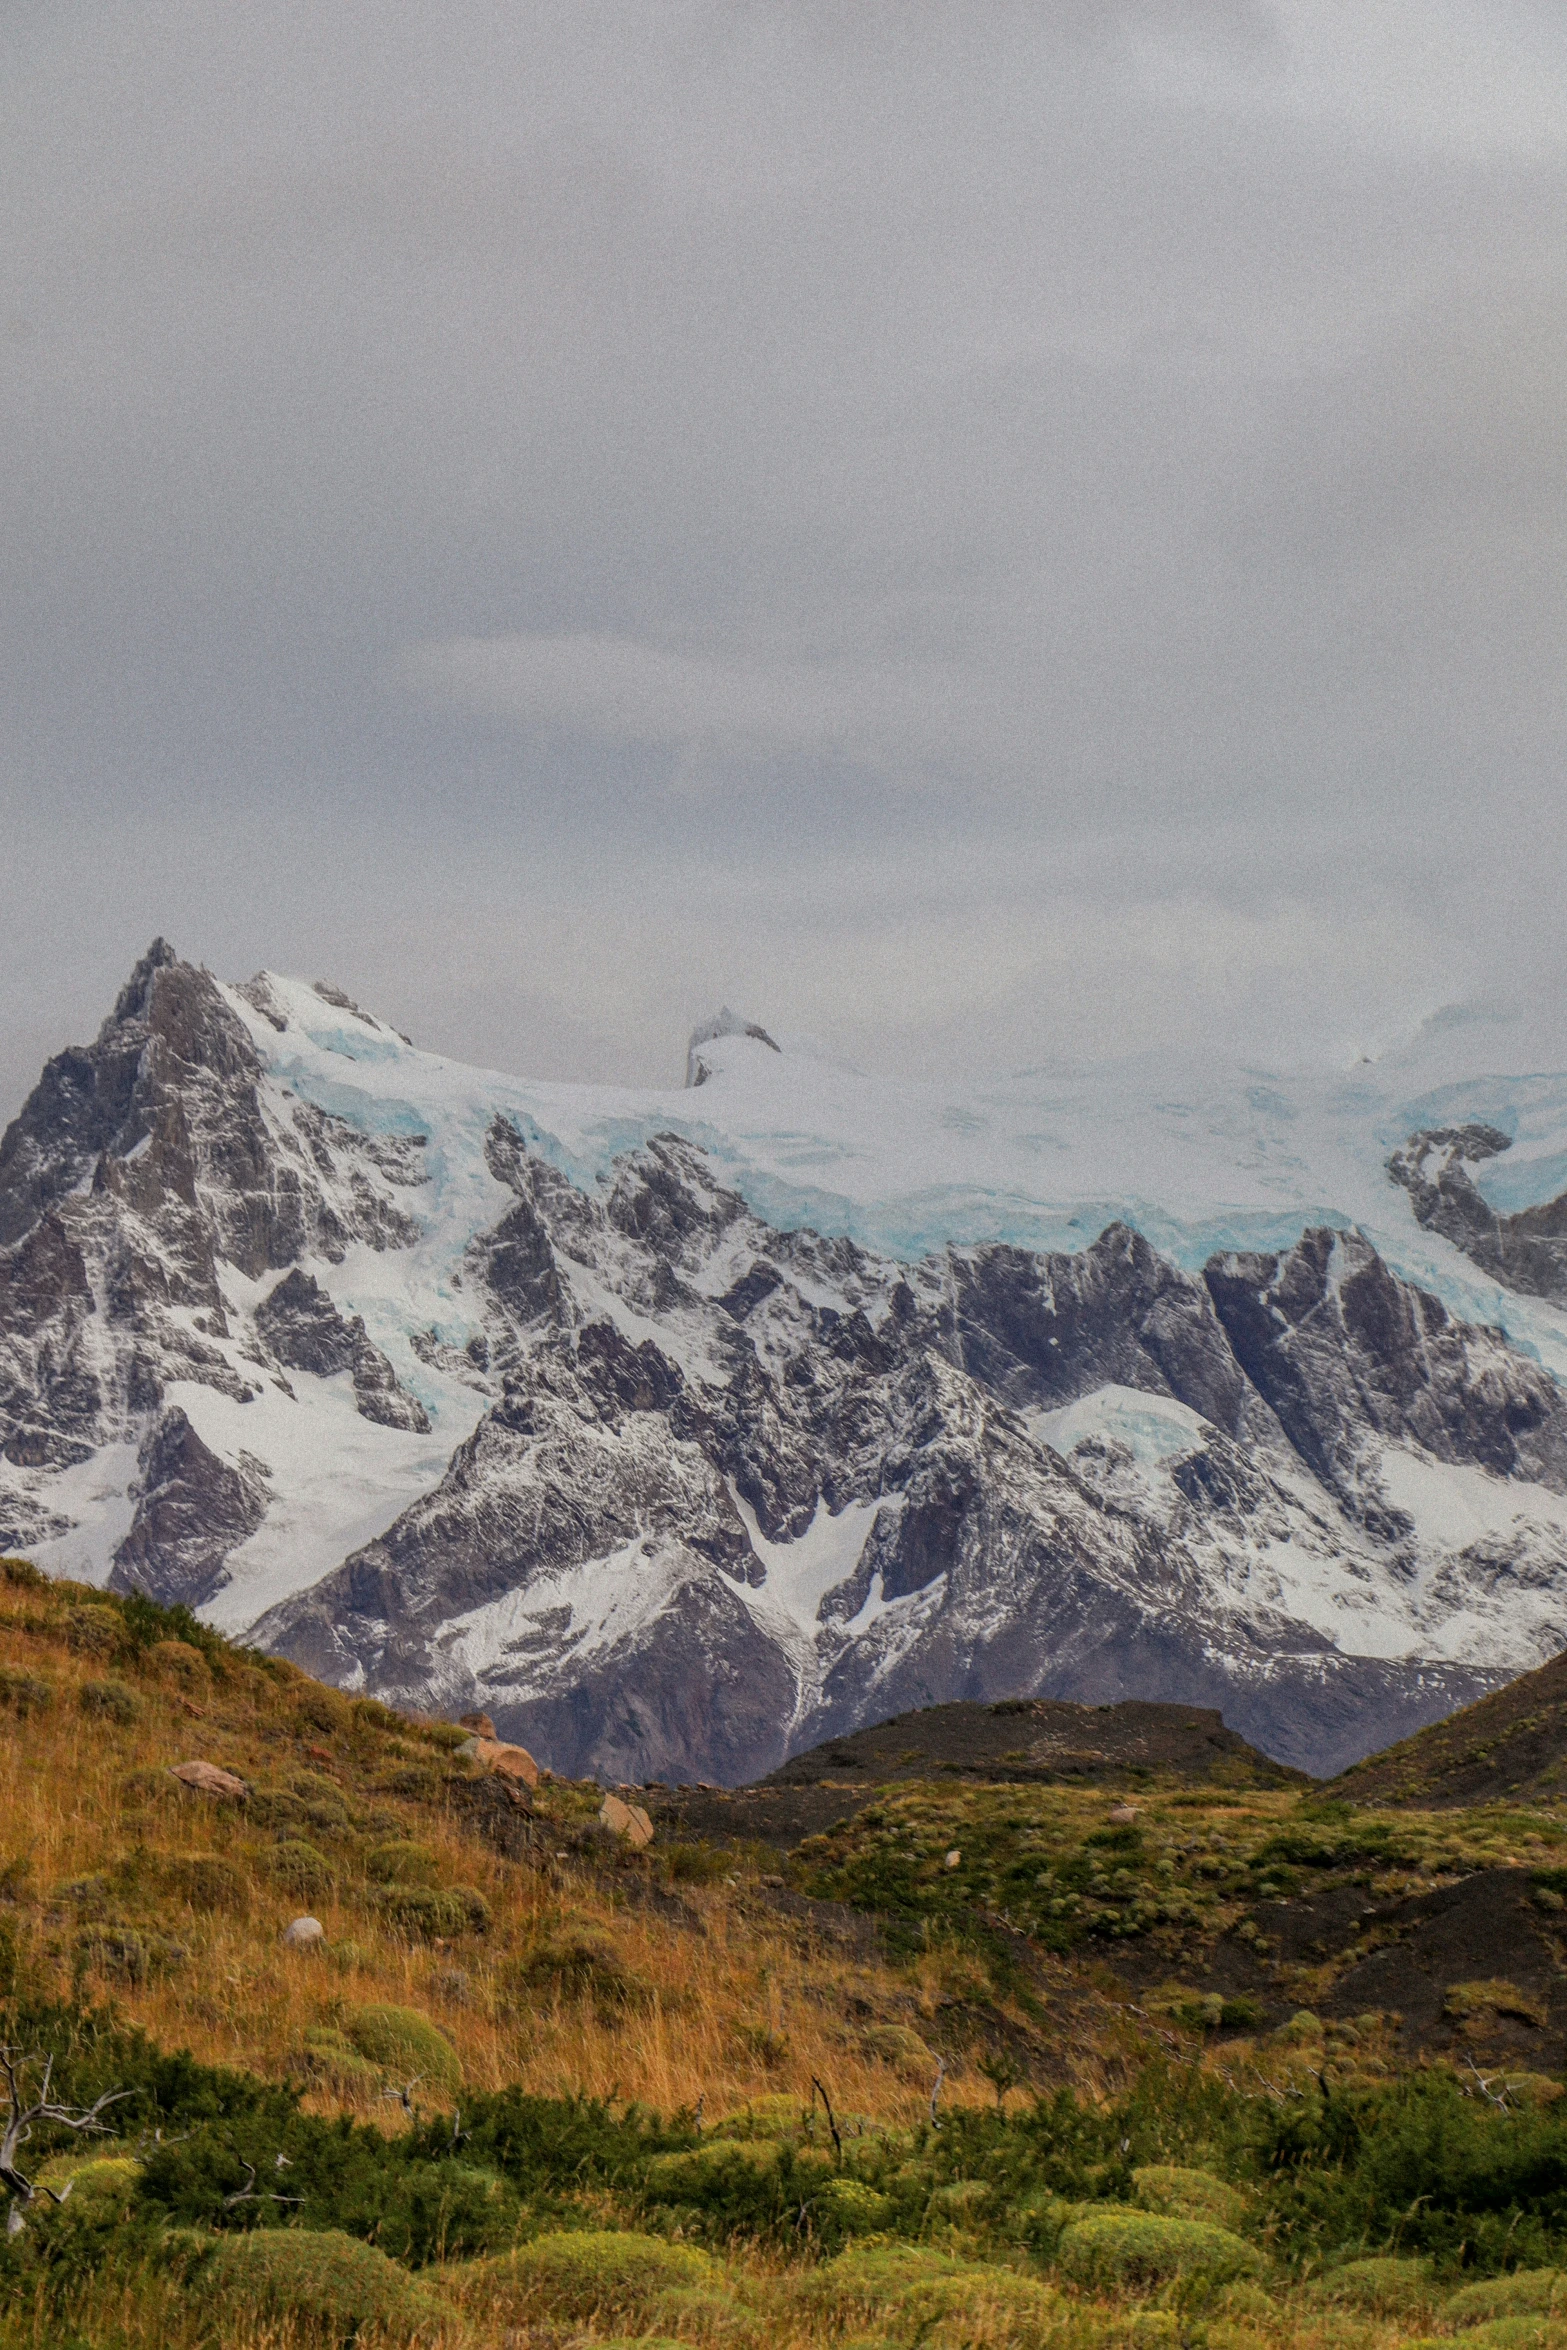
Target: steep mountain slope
(1508,1747)
(463,1391)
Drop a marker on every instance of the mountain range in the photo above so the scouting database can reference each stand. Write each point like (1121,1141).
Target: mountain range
(679,1430)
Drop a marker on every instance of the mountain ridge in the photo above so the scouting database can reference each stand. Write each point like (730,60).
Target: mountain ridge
(352,1349)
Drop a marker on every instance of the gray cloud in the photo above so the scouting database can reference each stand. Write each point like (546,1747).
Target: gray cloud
(971,530)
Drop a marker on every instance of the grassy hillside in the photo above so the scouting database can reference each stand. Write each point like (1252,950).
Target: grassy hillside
(1175,2050)
(1511,1745)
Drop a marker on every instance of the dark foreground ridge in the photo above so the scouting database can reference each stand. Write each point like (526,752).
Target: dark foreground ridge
(1511,1745)
(1019,1741)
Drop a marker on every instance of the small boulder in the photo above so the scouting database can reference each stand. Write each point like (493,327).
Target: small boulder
(303,1934)
(1123,1815)
(207,1779)
(627,1820)
(954,1859)
(512,1762)
(480,1724)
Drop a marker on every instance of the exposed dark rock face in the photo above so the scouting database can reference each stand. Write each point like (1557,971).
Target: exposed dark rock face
(141,1169)
(984,1564)
(1526,1251)
(193,1510)
(298,1322)
(1345,1352)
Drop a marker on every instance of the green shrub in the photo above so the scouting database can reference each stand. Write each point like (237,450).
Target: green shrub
(301,1868)
(129,1954)
(427,1915)
(1539,2330)
(577,1965)
(109,1701)
(324,1709)
(24,1694)
(702,2313)
(206,1883)
(1124,2247)
(919,2295)
(329,2280)
(842,2207)
(97,1630)
(1526,2292)
(404,2043)
(184,1667)
(1386,2287)
(401,1863)
(330,2057)
(325,1806)
(592,2273)
(898,2046)
(1492,1997)
(1188,2194)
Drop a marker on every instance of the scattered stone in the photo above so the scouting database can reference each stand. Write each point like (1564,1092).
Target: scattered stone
(1122,1815)
(480,1724)
(954,1858)
(303,1934)
(493,1754)
(207,1779)
(627,1820)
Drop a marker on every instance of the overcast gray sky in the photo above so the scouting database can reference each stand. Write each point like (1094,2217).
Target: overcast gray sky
(976,530)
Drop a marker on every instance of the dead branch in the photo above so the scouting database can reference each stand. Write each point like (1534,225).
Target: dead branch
(21,2118)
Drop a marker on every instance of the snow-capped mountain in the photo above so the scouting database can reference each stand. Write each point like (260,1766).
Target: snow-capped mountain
(679,1429)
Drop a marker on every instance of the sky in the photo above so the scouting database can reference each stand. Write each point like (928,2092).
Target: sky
(981,533)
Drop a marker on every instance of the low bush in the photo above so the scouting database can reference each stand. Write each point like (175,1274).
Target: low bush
(1120,2247)
(24,1694)
(426,1914)
(109,1701)
(1493,1997)
(590,2273)
(305,1871)
(1385,2287)
(176,1661)
(97,1630)
(1189,2194)
(335,2284)
(404,2043)
(401,1862)
(1525,2292)
(578,1965)
(206,1883)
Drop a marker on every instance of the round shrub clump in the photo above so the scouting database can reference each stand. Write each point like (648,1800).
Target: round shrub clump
(331,2281)
(302,1868)
(206,1883)
(23,1694)
(1188,2194)
(1118,2246)
(426,1915)
(109,1701)
(94,1630)
(1386,2287)
(401,1862)
(591,2272)
(841,2208)
(177,1662)
(404,2043)
(1527,2292)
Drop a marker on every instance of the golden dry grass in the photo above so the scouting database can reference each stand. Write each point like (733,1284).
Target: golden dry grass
(730,2008)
